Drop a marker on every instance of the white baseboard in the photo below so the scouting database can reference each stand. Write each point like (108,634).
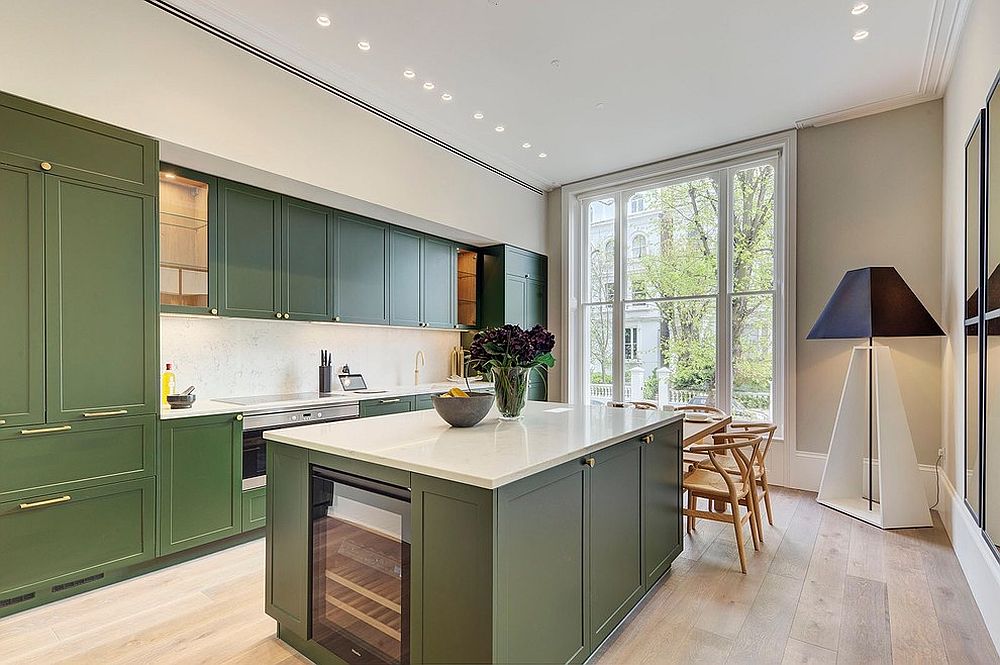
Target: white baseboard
(978,563)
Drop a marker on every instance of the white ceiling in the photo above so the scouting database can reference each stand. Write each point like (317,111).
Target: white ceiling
(673,76)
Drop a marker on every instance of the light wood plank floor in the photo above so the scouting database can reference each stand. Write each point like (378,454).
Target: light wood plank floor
(823,589)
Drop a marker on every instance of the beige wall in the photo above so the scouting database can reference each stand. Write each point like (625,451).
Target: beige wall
(869,194)
(133,65)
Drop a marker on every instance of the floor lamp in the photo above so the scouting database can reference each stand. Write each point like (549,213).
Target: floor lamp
(870,303)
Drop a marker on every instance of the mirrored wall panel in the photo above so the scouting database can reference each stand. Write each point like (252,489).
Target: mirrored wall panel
(972,456)
(990,477)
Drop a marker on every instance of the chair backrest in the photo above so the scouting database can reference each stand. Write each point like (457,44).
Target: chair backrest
(765,430)
(647,406)
(742,447)
(702,408)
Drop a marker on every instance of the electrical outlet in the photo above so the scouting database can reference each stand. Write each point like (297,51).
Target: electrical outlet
(940,452)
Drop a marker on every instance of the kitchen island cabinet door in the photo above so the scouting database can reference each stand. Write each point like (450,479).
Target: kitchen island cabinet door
(101,301)
(541,560)
(663,537)
(405,294)
(438,283)
(307,264)
(361,270)
(250,256)
(286,594)
(22,337)
(200,481)
(616,580)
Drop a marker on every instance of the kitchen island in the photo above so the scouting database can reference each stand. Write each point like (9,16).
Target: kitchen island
(402,540)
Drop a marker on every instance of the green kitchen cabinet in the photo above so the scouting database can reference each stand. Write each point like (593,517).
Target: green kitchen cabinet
(361,270)
(254,508)
(424,402)
(22,290)
(249,252)
(616,579)
(286,583)
(405,278)
(307,261)
(101,301)
(68,457)
(438,282)
(199,494)
(57,543)
(663,537)
(387,406)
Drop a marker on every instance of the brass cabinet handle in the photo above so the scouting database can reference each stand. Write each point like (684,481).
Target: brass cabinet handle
(98,414)
(590,461)
(213,311)
(47,502)
(389,401)
(46,166)
(3,422)
(45,430)
(285,315)
(239,416)
(648,438)
(277,315)
(336,318)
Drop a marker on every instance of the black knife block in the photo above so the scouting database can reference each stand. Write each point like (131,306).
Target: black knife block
(326,379)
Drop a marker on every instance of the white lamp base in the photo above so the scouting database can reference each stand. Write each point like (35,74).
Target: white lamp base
(901,500)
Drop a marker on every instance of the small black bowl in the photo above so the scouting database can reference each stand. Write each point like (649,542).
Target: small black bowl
(180,401)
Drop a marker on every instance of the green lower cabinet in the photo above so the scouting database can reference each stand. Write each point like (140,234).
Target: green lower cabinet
(616,579)
(254,508)
(61,541)
(286,593)
(663,537)
(200,481)
(424,402)
(389,405)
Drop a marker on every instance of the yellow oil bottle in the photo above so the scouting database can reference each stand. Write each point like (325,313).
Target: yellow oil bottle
(169,383)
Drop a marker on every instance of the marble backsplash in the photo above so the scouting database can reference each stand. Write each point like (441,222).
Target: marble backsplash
(225,357)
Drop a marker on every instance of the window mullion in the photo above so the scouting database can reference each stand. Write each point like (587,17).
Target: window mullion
(618,309)
(724,349)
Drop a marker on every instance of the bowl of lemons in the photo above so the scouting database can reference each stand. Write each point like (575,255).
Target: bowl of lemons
(460,408)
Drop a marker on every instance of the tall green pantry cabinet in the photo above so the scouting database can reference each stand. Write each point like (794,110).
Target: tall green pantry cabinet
(78,372)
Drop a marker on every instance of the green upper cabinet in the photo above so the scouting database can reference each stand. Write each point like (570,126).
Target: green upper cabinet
(199,496)
(405,278)
(22,283)
(249,252)
(514,287)
(35,136)
(188,211)
(307,264)
(361,270)
(438,282)
(100,301)
(515,301)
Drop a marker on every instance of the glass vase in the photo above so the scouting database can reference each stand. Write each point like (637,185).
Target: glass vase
(511,386)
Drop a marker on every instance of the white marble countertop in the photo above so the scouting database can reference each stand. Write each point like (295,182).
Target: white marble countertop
(489,455)
(210,407)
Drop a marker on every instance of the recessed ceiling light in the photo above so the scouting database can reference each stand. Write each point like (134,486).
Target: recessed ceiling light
(428,85)
(542,155)
(860,8)
(859,35)
(364,46)
(477,115)
(599,106)
(525,145)
(409,73)
(498,128)
(323,20)
(446,97)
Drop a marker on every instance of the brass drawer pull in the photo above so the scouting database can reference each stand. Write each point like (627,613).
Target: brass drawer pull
(590,461)
(3,422)
(46,430)
(46,166)
(98,414)
(47,502)
(239,416)
(648,438)
(389,401)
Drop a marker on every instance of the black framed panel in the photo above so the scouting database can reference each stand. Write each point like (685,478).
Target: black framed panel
(990,450)
(974,221)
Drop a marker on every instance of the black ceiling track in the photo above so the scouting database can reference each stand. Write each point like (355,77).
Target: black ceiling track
(319,83)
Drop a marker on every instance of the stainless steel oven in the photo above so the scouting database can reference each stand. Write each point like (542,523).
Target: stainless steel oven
(254,426)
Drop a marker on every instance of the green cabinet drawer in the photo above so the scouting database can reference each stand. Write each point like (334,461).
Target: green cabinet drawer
(74,146)
(200,481)
(389,405)
(616,579)
(101,301)
(525,264)
(424,402)
(254,508)
(58,540)
(22,338)
(249,251)
(67,457)
(663,537)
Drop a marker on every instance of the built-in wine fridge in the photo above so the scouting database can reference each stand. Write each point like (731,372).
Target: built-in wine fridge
(360,568)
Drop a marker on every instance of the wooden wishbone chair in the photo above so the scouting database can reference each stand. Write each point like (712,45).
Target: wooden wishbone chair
(760,487)
(690,458)
(720,486)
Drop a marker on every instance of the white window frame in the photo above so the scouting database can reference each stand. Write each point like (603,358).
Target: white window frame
(782,148)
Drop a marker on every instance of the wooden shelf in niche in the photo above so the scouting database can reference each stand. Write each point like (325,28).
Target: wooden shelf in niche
(468,281)
(184,220)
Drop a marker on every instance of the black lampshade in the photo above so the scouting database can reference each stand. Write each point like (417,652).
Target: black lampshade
(873,302)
